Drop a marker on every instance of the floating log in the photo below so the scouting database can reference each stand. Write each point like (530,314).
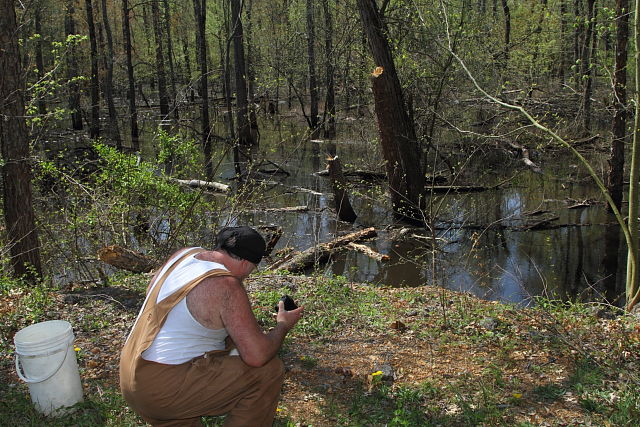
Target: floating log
(301,208)
(126,259)
(322,251)
(215,186)
(368,251)
(340,196)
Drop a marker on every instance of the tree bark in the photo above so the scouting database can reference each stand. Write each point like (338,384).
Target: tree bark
(563,40)
(619,124)
(507,29)
(402,153)
(330,103)
(200,7)
(22,233)
(94,125)
(313,79)
(242,111)
(42,106)
(160,66)
(131,93)
(108,81)
(172,73)
(251,76)
(588,55)
(72,68)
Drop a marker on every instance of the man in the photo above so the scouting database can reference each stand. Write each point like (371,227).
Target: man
(175,367)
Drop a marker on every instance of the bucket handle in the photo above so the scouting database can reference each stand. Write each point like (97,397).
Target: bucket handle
(24,378)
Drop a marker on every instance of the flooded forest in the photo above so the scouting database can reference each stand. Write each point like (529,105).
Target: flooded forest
(480,146)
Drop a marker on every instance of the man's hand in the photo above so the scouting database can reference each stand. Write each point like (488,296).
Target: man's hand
(288,319)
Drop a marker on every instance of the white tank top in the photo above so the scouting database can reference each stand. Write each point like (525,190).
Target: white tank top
(182,337)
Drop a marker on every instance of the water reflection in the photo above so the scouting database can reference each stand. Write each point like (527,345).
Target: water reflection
(482,249)
(482,246)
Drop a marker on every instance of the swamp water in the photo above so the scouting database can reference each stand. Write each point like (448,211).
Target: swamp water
(487,243)
(483,244)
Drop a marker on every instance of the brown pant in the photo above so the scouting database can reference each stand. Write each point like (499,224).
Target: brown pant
(214,384)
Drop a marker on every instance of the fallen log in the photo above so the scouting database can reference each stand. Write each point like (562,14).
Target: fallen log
(210,185)
(368,251)
(301,208)
(322,251)
(126,259)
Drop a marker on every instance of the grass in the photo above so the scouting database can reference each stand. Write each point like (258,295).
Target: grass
(450,372)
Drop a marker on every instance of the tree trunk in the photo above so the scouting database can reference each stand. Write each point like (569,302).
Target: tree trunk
(313,79)
(400,146)
(174,92)
(563,40)
(507,29)
(187,64)
(200,7)
(251,77)
(161,73)
(330,104)
(108,81)
(131,93)
(242,110)
(619,124)
(72,68)
(94,125)
(42,106)
(632,283)
(22,234)
(587,69)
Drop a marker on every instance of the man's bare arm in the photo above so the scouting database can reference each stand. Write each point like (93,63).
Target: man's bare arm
(255,347)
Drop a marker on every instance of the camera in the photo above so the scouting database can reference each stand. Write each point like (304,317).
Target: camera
(289,303)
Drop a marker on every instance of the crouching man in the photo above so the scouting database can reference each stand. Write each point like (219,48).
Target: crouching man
(175,366)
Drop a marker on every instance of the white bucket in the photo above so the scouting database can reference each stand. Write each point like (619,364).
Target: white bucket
(46,360)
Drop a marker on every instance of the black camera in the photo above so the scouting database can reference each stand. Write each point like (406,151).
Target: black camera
(289,303)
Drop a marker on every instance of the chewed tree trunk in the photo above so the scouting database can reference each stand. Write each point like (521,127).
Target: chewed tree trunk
(400,147)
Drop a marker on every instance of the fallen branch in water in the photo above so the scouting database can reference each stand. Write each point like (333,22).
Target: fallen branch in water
(211,185)
(368,251)
(321,252)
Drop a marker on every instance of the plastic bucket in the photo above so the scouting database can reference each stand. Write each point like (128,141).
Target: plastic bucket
(46,361)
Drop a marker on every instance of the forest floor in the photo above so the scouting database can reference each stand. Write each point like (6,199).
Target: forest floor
(366,355)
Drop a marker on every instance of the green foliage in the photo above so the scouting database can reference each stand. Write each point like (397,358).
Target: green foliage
(330,304)
(52,83)
(103,406)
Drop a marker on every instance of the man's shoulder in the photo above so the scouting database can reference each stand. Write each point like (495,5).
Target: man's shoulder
(222,282)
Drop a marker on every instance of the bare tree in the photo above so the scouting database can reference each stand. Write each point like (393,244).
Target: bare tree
(94,125)
(131,93)
(108,81)
(313,78)
(72,68)
(242,108)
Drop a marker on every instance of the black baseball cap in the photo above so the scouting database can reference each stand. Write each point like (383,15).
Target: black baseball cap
(243,241)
